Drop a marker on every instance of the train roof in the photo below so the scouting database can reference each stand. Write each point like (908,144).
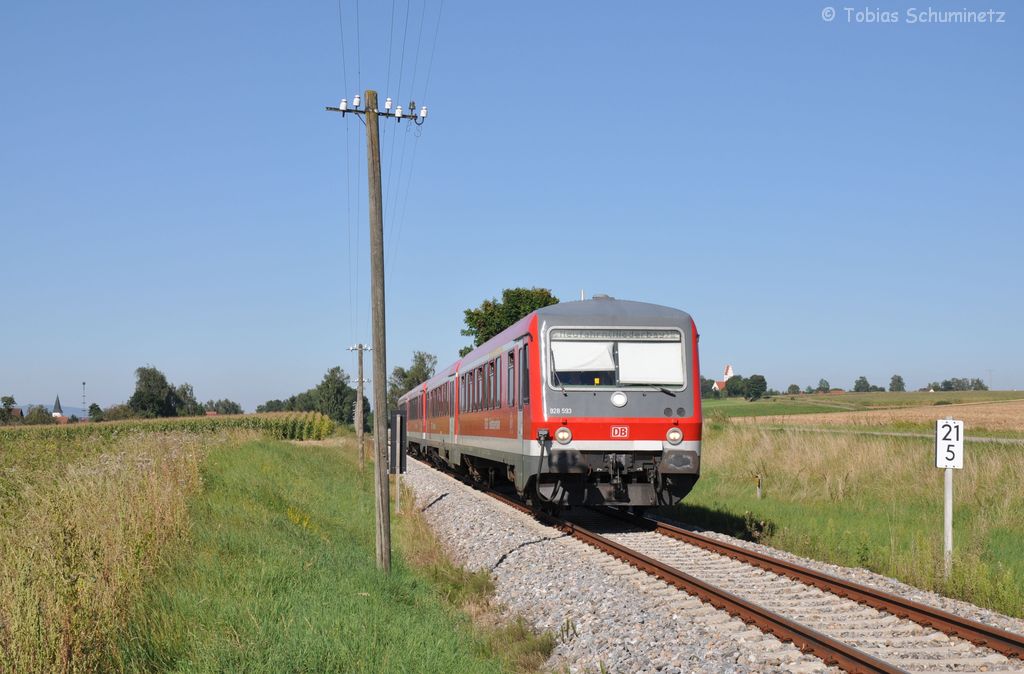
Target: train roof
(608,309)
(599,310)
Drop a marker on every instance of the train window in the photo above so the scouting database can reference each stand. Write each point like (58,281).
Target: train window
(493,376)
(497,382)
(480,388)
(588,357)
(511,379)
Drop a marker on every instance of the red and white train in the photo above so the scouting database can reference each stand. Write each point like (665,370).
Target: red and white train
(589,402)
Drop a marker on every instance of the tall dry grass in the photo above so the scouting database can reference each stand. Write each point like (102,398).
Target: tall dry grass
(77,549)
(811,467)
(876,501)
(990,416)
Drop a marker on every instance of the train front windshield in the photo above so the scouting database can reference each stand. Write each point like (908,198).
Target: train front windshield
(617,358)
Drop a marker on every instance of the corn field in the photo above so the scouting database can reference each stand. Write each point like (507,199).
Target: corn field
(280,425)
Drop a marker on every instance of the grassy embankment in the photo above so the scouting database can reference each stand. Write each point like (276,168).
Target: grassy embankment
(871,501)
(150,549)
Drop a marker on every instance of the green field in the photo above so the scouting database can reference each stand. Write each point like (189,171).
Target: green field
(166,548)
(870,501)
(848,402)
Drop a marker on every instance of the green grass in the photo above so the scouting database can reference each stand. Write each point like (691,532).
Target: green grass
(280,577)
(848,402)
(869,501)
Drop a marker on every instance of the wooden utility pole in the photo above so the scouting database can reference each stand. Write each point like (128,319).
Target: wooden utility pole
(382,490)
(380,375)
(359,405)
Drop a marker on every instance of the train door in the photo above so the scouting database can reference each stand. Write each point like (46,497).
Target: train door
(523,399)
(451,408)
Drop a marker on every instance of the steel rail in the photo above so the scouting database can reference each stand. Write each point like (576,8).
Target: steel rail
(997,639)
(831,651)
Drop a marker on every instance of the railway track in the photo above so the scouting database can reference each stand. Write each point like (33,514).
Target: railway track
(854,627)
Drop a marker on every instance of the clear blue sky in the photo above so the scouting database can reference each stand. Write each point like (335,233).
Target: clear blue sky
(828,199)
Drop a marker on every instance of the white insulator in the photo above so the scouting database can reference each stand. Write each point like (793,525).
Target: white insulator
(355,101)
(343,105)
(387,103)
(423,112)
(398,112)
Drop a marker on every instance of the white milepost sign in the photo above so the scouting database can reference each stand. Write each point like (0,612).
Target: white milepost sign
(949,455)
(949,444)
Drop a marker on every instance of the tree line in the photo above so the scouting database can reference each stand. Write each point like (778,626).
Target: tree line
(896,385)
(154,397)
(333,396)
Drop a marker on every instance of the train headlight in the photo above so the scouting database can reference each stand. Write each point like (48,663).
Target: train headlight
(563,435)
(674,436)
(619,399)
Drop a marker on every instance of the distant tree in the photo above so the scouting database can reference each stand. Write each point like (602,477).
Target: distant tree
(186,404)
(7,403)
(271,406)
(959,384)
(95,412)
(934,386)
(223,407)
(706,387)
(154,396)
(736,386)
(37,414)
(809,389)
(73,419)
(861,385)
(793,389)
(402,379)
(896,384)
(493,316)
(823,386)
(334,396)
(876,389)
(118,412)
(756,386)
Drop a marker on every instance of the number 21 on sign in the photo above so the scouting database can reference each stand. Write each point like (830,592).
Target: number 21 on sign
(949,444)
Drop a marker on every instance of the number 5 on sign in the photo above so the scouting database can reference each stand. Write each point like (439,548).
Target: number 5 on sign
(949,444)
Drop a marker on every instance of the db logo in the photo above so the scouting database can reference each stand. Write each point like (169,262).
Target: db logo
(620,432)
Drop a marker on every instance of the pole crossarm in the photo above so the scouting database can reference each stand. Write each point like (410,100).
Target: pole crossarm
(417,119)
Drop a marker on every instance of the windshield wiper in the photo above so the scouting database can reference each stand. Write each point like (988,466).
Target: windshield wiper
(558,380)
(664,390)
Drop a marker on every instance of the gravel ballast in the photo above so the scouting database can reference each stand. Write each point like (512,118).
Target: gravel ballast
(604,613)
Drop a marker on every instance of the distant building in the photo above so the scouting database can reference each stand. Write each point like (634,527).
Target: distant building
(16,413)
(58,412)
(720,385)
